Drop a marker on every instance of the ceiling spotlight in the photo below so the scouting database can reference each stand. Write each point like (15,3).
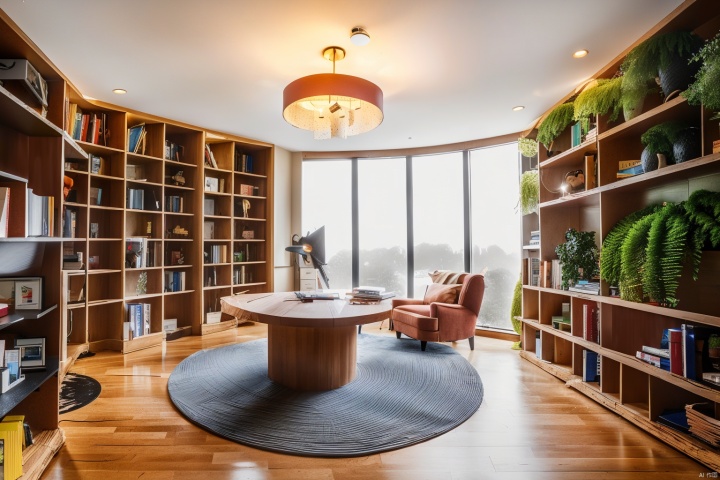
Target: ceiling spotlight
(120,91)
(518,108)
(580,54)
(359,36)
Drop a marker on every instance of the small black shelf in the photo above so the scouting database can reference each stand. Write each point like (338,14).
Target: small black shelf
(33,380)
(20,315)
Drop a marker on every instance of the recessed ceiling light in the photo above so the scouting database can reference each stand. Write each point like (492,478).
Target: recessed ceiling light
(518,108)
(580,54)
(120,91)
(359,36)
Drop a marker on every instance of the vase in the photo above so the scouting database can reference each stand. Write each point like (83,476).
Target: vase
(632,111)
(677,75)
(688,145)
(648,160)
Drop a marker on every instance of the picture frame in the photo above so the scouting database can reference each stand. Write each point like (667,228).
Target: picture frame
(22,293)
(32,353)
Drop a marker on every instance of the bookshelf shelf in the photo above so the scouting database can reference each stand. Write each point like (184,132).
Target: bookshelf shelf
(632,388)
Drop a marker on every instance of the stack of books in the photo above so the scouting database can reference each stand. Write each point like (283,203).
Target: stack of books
(535,237)
(583,286)
(702,424)
(366,295)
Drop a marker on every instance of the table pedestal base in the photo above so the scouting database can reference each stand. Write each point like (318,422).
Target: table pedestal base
(311,359)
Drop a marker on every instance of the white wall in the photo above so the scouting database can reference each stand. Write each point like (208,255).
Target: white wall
(287,195)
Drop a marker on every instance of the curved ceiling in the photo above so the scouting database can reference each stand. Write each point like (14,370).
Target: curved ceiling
(450,71)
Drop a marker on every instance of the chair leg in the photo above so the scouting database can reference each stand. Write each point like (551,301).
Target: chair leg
(359,329)
(423,345)
(472,342)
(397,334)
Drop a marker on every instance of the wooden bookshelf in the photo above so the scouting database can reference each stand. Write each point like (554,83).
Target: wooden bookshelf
(635,390)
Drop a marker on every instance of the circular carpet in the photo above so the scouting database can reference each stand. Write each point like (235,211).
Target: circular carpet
(76,391)
(400,396)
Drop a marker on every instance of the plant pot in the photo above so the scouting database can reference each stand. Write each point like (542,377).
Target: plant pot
(687,146)
(632,111)
(677,75)
(649,160)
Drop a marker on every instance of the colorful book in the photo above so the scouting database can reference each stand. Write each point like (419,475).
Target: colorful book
(591,366)
(688,351)
(675,347)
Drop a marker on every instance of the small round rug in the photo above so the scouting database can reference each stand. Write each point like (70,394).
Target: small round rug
(401,396)
(76,391)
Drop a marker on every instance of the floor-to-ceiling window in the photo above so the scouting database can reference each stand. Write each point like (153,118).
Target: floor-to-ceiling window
(460,207)
(437,216)
(326,200)
(382,214)
(495,232)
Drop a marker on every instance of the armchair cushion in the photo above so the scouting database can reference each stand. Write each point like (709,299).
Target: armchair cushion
(447,277)
(438,292)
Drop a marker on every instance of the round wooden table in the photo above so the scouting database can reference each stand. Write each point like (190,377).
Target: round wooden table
(311,346)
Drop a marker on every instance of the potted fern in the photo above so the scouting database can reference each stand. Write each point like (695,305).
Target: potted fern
(704,89)
(527,147)
(578,257)
(664,57)
(601,97)
(529,191)
(554,124)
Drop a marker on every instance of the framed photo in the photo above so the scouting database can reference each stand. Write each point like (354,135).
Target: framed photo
(32,353)
(28,293)
(22,293)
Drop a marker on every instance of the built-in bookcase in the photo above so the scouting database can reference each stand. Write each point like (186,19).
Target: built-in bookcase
(636,390)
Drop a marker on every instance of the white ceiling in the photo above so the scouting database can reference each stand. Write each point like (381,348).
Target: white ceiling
(450,70)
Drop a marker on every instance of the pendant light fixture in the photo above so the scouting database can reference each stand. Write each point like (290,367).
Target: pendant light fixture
(333,105)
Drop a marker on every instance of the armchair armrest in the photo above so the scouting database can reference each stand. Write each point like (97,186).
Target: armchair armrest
(398,302)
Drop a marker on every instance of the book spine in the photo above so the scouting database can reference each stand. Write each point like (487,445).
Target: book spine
(646,357)
(688,351)
(675,344)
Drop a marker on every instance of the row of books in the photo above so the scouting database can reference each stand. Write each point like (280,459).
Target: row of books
(175,281)
(40,215)
(210,157)
(242,275)
(244,162)
(684,351)
(136,139)
(544,273)
(215,254)
(88,127)
(174,203)
(139,253)
(138,199)
(173,151)
(138,320)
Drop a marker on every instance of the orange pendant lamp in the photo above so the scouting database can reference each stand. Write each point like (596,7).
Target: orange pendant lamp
(333,105)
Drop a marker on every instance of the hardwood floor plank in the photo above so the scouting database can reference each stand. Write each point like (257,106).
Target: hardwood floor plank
(530,425)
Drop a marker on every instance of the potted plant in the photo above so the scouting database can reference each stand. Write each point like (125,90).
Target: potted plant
(658,140)
(704,89)
(578,257)
(664,57)
(600,97)
(714,350)
(529,191)
(527,147)
(555,122)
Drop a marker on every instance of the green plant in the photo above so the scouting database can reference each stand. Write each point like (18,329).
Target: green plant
(578,257)
(714,341)
(529,191)
(660,138)
(516,311)
(527,147)
(642,63)
(610,255)
(603,97)
(646,252)
(705,87)
(556,121)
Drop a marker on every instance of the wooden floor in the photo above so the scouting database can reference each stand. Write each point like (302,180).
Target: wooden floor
(529,426)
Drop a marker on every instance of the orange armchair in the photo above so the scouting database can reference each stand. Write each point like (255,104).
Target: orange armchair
(441,322)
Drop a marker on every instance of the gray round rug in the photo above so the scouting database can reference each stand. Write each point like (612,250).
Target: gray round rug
(400,396)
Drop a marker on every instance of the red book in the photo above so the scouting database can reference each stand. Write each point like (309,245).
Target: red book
(675,345)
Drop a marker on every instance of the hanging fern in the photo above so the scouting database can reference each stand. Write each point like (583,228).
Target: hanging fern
(703,208)
(667,243)
(610,256)
(529,191)
(555,123)
(633,259)
(516,311)
(600,99)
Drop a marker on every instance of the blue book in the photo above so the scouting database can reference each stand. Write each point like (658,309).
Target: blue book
(688,351)
(591,366)
(676,420)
